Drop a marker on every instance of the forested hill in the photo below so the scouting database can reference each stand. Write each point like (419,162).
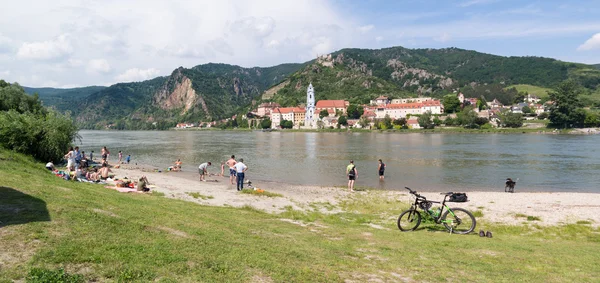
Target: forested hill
(62,97)
(202,93)
(362,74)
(215,91)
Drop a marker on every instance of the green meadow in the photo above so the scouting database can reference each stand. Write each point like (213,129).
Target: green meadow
(53,230)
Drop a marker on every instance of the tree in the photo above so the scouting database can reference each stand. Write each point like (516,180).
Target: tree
(482,103)
(467,118)
(363,122)
(354,111)
(266,123)
(543,115)
(591,120)
(324,113)
(451,103)
(425,121)
(387,121)
(563,112)
(343,121)
(400,122)
(286,124)
(511,120)
(520,97)
(526,109)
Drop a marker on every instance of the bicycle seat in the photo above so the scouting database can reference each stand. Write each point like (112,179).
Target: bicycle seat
(447,194)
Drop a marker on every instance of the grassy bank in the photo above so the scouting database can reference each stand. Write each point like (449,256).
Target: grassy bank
(101,235)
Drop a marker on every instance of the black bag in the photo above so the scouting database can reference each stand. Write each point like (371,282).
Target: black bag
(458,197)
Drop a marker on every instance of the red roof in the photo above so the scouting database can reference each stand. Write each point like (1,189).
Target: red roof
(285,110)
(332,104)
(369,114)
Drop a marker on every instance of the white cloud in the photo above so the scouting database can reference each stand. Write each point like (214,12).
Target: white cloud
(98,66)
(5,73)
(46,50)
(135,75)
(443,38)
(74,62)
(590,44)
(365,29)
(257,27)
(273,43)
(379,38)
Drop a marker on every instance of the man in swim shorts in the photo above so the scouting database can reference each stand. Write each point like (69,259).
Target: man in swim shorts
(232,173)
(352,175)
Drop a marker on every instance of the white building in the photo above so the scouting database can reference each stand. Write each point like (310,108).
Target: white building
(309,117)
(410,100)
(397,111)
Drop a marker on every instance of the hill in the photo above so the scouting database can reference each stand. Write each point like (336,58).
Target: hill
(212,91)
(362,74)
(81,232)
(202,93)
(60,98)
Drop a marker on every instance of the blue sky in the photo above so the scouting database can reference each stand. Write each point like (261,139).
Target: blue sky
(72,43)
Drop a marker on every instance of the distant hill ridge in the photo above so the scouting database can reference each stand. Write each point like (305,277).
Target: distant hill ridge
(215,91)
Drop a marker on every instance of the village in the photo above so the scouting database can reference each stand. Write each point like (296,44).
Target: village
(334,113)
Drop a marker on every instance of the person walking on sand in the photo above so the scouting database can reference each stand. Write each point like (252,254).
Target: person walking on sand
(240,171)
(381,169)
(120,157)
(232,172)
(202,170)
(352,175)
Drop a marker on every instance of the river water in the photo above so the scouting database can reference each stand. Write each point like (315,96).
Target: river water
(427,162)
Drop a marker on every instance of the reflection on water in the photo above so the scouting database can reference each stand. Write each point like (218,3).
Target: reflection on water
(423,161)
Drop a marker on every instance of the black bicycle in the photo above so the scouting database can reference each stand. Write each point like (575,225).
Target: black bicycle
(456,220)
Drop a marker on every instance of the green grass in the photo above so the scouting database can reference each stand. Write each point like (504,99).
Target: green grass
(540,92)
(198,195)
(584,222)
(70,230)
(528,217)
(264,193)
(478,213)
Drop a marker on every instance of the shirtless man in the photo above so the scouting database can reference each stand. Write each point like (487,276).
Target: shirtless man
(103,172)
(232,173)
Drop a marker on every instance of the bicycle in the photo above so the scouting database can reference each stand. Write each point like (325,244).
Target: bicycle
(456,220)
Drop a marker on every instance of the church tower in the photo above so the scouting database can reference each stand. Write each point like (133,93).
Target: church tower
(310,107)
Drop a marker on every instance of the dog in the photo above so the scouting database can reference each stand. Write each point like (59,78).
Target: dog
(510,185)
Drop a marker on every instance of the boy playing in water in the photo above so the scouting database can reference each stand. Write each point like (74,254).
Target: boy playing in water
(128,158)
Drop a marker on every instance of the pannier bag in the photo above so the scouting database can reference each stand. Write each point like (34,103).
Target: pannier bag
(458,197)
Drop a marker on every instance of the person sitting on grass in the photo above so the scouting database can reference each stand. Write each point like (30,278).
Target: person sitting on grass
(50,166)
(202,170)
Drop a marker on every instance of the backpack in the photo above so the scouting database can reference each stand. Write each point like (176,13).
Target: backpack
(458,197)
(352,172)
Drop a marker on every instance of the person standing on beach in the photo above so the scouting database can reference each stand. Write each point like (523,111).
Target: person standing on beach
(352,174)
(222,168)
(381,169)
(202,170)
(232,173)
(105,154)
(120,157)
(128,158)
(240,171)
(92,155)
(77,155)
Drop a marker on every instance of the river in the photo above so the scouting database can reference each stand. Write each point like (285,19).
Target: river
(427,162)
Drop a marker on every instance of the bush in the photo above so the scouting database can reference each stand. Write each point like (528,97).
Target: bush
(44,134)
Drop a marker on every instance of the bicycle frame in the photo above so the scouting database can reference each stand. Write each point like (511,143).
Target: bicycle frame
(436,219)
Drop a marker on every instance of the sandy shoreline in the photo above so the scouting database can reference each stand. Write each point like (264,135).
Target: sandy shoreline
(552,208)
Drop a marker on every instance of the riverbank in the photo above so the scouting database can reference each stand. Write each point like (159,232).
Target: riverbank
(540,208)
(52,229)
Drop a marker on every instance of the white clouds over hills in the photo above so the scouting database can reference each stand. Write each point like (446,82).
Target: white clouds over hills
(591,44)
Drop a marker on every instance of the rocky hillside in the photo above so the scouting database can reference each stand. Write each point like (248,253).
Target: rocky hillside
(362,74)
(202,93)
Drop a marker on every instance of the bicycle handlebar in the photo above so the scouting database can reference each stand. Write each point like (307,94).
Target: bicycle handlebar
(414,193)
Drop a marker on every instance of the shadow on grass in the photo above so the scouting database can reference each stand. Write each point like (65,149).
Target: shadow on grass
(19,208)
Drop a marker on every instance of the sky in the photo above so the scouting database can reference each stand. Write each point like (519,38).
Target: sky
(73,43)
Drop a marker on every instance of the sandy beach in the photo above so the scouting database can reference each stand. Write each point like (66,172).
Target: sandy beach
(497,207)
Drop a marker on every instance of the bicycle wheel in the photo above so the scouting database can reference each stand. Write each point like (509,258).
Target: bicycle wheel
(462,222)
(409,220)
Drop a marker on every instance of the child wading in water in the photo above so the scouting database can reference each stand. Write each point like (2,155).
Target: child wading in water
(222,168)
